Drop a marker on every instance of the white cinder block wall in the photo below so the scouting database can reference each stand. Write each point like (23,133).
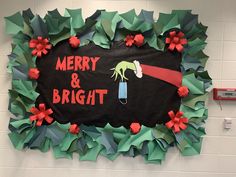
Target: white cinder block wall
(218,157)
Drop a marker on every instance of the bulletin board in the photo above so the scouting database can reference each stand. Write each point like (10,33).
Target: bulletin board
(112,84)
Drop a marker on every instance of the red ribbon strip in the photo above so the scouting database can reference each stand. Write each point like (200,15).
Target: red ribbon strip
(167,75)
(41,114)
(176,41)
(176,122)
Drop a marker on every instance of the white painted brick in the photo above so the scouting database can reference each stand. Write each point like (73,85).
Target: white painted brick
(230,31)
(198,7)
(215,30)
(5,83)
(209,163)
(214,50)
(214,69)
(227,164)
(214,108)
(229,70)
(229,13)
(21,172)
(10,7)
(229,50)
(5,141)
(4,120)
(229,83)
(114,5)
(210,145)
(60,5)
(139,173)
(4,102)
(214,127)
(5,40)
(206,174)
(227,145)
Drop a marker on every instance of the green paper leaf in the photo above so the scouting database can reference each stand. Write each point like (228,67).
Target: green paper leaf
(146,16)
(27,15)
(25,88)
(76,20)
(161,132)
(67,141)
(108,142)
(167,22)
(64,34)
(18,123)
(55,134)
(52,25)
(14,23)
(128,18)
(191,100)
(39,27)
(155,152)
(189,112)
(194,85)
(136,140)
(39,137)
(91,131)
(20,140)
(195,46)
(61,154)
(20,72)
(92,153)
(187,147)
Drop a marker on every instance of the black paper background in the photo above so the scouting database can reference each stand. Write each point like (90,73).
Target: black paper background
(149,99)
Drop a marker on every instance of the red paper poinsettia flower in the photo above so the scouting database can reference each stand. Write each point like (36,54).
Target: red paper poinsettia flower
(183,91)
(129,40)
(135,127)
(74,129)
(74,42)
(177,121)
(41,114)
(176,41)
(40,46)
(33,73)
(138,40)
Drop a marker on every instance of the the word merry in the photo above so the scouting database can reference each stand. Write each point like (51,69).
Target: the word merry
(75,63)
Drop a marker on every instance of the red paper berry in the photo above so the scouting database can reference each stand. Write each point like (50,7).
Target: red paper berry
(74,129)
(33,73)
(183,91)
(176,41)
(74,42)
(129,40)
(135,128)
(40,46)
(138,40)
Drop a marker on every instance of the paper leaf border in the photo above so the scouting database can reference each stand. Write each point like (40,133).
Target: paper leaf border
(102,28)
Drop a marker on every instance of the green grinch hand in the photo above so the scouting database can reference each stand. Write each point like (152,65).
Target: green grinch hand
(120,69)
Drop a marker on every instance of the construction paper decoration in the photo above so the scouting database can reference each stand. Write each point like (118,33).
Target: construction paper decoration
(132,85)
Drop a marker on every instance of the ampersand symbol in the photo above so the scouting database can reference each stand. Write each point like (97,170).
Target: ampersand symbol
(75,82)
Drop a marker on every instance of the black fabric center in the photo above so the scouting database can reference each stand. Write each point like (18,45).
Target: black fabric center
(149,99)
